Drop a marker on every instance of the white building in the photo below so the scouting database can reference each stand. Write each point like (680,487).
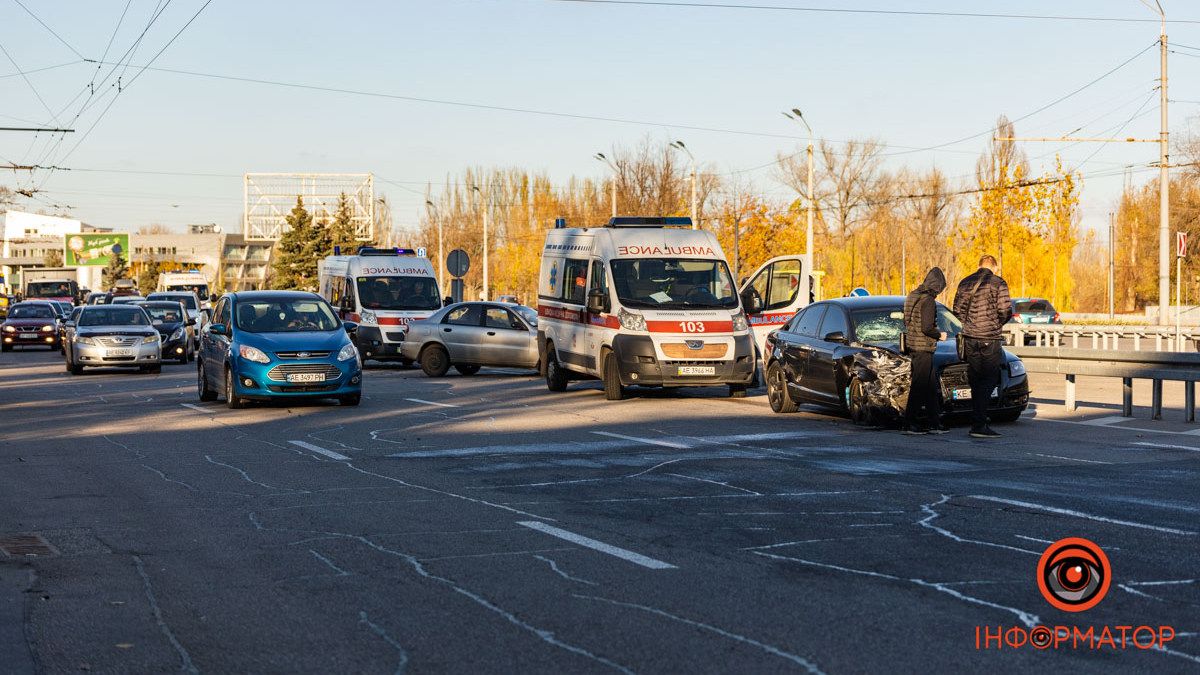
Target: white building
(27,238)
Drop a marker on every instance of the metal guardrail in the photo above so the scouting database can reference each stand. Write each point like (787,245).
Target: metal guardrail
(1155,366)
(1164,338)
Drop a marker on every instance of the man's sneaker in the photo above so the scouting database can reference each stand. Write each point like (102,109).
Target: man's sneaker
(940,429)
(985,432)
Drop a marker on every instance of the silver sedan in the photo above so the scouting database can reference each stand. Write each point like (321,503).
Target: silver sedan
(470,335)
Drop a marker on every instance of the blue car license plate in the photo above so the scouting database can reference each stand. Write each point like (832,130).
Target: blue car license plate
(306,377)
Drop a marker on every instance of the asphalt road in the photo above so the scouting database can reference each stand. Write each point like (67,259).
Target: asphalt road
(484,524)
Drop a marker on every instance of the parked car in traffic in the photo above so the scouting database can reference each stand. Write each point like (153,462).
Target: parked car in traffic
(264,345)
(62,322)
(195,309)
(470,335)
(843,353)
(113,336)
(98,298)
(171,320)
(30,323)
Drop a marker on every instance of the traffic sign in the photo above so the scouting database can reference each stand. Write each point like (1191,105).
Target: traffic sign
(458,262)
(421,252)
(1181,244)
(859,292)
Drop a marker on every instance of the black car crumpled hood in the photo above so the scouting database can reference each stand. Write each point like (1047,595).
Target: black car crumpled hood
(887,374)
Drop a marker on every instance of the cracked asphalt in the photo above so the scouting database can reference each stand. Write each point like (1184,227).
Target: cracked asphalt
(484,524)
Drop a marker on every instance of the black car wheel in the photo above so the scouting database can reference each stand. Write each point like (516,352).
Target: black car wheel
(232,400)
(466,369)
(860,410)
(435,361)
(72,367)
(556,375)
(777,394)
(206,393)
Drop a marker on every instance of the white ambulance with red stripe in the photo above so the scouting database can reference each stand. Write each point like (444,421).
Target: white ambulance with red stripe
(381,289)
(641,302)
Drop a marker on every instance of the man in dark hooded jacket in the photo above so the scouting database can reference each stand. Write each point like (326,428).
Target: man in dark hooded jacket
(921,338)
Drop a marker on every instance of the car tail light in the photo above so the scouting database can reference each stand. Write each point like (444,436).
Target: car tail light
(1016,317)
(1056,317)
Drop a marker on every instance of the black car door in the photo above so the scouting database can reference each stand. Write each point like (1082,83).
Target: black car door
(821,374)
(803,338)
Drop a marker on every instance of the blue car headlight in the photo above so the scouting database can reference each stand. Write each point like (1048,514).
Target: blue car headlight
(348,352)
(1016,368)
(253,354)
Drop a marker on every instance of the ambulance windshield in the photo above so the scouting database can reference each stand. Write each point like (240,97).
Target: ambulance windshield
(398,293)
(650,283)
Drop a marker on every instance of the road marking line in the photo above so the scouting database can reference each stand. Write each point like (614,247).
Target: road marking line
(1072,459)
(1105,421)
(647,441)
(440,405)
(1080,514)
(319,450)
(196,407)
(635,558)
(1168,446)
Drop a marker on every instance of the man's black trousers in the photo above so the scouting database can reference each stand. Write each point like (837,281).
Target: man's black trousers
(924,401)
(984,359)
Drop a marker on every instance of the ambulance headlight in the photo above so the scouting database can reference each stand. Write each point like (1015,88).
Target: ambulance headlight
(631,320)
(739,322)
(369,317)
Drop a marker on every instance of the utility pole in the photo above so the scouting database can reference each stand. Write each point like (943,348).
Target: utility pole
(798,116)
(1112,265)
(616,174)
(487,205)
(678,145)
(1164,188)
(433,213)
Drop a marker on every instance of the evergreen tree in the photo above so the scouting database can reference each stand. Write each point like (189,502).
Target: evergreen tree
(341,230)
(116,269)
(295,263)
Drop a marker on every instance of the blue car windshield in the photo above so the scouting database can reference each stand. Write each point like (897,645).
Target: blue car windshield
(300,315)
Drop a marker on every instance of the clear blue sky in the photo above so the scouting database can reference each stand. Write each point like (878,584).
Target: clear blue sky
(911,81)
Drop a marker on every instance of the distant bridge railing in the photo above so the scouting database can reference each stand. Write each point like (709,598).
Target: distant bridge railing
(1154,366)
(1149,338)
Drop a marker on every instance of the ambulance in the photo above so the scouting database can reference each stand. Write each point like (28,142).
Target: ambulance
(380,289)
(641,302)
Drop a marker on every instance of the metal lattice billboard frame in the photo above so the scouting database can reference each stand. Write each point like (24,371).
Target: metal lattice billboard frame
(269,197)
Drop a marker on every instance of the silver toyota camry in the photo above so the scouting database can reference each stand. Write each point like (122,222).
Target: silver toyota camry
(112,335)
(471,335)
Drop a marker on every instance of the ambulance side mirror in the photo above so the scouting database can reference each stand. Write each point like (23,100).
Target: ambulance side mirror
(751,301)
(597,302)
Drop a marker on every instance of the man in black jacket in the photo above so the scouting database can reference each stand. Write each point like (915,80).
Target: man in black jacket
(923,414)
(984,306)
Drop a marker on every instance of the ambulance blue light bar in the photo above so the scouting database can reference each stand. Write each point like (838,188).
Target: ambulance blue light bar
(370,250)
(654,221)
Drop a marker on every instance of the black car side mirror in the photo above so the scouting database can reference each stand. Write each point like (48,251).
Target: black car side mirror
(218,329)
(836,336)
(597,302)
(350,326)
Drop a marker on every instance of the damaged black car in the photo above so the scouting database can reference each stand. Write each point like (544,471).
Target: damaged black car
(844,353)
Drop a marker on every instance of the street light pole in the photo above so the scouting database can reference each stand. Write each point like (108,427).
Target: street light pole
(600,156)
(1164,181)
(432,209)
(487,203)
(678,145)
(798,116)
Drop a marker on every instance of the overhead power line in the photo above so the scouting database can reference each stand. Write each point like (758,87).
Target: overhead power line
(56,35)
(885,12)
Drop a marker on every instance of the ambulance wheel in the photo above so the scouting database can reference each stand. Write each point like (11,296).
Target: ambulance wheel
(435,361)
(466,369)
(613,390)
(556,375)
(777,393)
(737,391)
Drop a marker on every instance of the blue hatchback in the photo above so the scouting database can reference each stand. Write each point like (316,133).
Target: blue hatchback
(264,345)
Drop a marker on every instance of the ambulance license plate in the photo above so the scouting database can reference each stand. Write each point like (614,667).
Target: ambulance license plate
(306,377)
(697,370)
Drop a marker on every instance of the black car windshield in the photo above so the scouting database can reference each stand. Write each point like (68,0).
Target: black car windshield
(31,312)
(398,293)
(883,325)
(113,315)
(164,314)
(651,283)
(187,299)
(286,315)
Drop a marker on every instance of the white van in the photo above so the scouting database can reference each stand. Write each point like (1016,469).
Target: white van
(640,302)
(192,281)
(381,289)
